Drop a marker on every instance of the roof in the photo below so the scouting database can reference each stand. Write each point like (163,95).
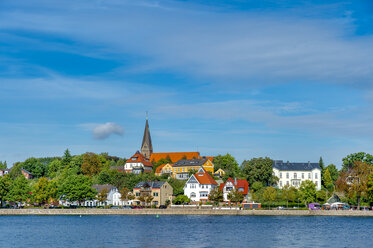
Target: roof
(159,168)
(190,162)
(174,156)
(204,178)
(280,165)
(139,158)
(26,171)
(238,183)
(147,146)
(100,187)
(149,184)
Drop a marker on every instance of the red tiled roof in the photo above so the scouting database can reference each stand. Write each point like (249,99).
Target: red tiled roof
(139,158)
(205,178)
(174,156)
(241,183)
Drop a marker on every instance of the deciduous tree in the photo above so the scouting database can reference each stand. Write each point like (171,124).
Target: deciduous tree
(228,163)
(259,170)
(269,194)
(91,164)
(216,196)
(307,191)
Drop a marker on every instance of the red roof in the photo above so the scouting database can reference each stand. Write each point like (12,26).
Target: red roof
(139,158)
(174,156)
(241,183)
(159,168)
(205,178)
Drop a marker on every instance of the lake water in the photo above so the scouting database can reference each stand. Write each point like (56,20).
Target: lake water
(185,231)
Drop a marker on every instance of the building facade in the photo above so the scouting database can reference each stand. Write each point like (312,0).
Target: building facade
(160,191)
(241,185)
(181,169)
(294,174)
(199,186)
(138,164)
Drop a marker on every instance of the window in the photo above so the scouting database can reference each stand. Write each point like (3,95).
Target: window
(287,175)
(309,175)
(203,194)
(137,194)
(192,195)
(295,175)
(287,183)
(240,189)
(133,159)
(315,175)
(316,183)
(228,188)
(155,194)
(280,174)
(302,175)
(280,183)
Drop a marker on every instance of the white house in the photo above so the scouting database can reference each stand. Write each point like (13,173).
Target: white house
(241,185)
(294,174)
(138,164)
(199,185)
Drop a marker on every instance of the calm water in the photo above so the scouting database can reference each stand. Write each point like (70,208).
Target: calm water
(185,231)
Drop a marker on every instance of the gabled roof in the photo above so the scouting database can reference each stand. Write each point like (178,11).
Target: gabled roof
(238,183)
(149,184)
(204,178)
(100,187)
(280,165)
(190,162)
(139,158)
(174,156)
(26,171)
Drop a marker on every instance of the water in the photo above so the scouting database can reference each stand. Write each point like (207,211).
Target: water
(185,231)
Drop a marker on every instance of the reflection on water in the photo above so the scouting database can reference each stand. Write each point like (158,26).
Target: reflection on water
(184,231)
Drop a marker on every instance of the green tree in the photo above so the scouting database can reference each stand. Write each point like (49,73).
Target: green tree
(307,192)
(235,196)
(257,186)
(20,190)
(3,165)
(321,163)
(334,173)
(228,163)
(328,182)
(4,188)
(102,196)
(321,196)
(77,188)
(54,167)
(269,194)
(34,166)
(181,199)
(350,160)
(216,196)
(44,191)
(91,165)
(259,170)
(66,159)
(288,193)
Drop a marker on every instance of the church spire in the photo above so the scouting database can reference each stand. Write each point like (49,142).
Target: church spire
(147,147)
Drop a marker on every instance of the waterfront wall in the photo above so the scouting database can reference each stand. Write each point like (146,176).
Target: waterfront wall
(182,212)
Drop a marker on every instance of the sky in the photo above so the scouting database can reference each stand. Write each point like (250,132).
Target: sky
(291,80)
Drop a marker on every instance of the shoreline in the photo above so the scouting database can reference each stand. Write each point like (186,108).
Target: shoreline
(8,212)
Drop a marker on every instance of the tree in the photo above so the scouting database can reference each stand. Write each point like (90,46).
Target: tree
(66,159)
(350,160)
(181,199)
(321,164)
(4,188)
(20,190)
(321,196)
(354,181)
(3,165)
(307,192)
(228,163)
(288,194)
(259,170)
(334,173)
(124,193)
(77,188)
(216,196)
(269,194)
(235,196)
(328,182)
(41,192)
(34,166)
(54,167)
(91,164)
(257,186)
(102,196)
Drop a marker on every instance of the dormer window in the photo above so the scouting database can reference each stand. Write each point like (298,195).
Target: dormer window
(133,159)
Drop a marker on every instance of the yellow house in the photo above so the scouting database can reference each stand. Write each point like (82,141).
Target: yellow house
(182,167)
(164,169)
(219,173)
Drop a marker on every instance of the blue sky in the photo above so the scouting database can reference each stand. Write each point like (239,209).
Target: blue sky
(291,80)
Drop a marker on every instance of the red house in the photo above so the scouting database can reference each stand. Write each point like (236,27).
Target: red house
(241,185)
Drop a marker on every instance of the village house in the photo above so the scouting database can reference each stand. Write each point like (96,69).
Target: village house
(138,164)
(294,174)
(160,191)
(181,169)
(199,186)
(3,172)
(27,174)
(219,173)
(241,185)
(164,169)
(112,197)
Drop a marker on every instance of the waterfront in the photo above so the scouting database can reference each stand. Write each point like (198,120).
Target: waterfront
(185,231)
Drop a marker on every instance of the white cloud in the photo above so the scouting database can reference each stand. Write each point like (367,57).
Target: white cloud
(103,131)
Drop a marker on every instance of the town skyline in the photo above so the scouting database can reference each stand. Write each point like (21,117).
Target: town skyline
(289,80)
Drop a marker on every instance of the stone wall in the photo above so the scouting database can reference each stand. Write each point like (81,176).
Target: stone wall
(181,212)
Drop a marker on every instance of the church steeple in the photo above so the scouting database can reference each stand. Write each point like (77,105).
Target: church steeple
(147,147)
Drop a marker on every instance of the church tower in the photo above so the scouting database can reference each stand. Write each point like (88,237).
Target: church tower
(146,147)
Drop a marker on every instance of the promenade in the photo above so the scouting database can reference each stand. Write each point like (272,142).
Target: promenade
(4,212)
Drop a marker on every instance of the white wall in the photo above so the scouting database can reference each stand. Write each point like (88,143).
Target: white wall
(287,177)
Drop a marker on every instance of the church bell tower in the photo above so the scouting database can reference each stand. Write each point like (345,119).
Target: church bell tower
(146,147)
